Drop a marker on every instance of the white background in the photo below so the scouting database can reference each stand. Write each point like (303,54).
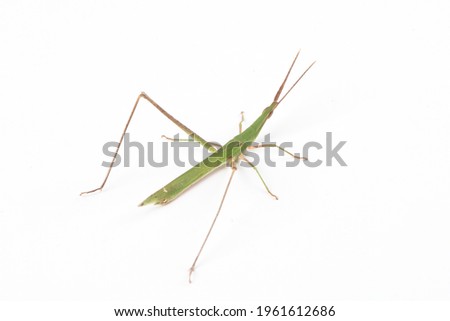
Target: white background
(375,230)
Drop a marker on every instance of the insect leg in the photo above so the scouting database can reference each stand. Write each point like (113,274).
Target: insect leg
(172,139)
(260,177)
(191,270)
(240,123)
(280,148)
(165,113)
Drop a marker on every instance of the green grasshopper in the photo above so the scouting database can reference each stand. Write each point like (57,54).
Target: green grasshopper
(229,155)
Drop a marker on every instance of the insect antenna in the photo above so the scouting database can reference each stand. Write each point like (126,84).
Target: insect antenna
(275,99)
(292,87)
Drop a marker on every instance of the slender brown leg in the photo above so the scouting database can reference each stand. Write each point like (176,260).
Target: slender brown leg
(280,148)
(191,270)
(194,136)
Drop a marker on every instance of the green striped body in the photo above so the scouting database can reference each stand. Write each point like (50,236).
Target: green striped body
(230,152)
